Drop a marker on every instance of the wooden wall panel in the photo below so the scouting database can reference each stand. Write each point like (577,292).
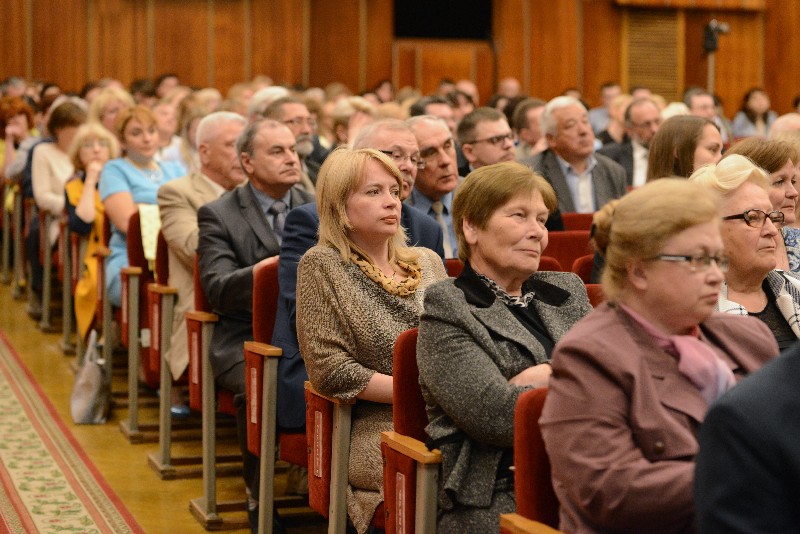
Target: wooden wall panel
(59,44)
(380,27)
(181,40)
(554,47)
(754,5)
(13,39)
(511,24)
(782,53)
(334,54)
(229,45)
(277,32)
(602,28)
(404,68)
(118,40)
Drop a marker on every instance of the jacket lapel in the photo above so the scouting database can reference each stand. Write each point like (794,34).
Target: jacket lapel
(251,212)
(558,181)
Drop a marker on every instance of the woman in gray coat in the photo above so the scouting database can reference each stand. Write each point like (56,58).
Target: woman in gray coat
(487,336)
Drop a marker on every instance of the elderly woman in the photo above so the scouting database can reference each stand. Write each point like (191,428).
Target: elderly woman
(633,380)
(779,159)
(752,286)
(91,148)
(681,145)
(107,106)
(357,290)
(487,336)
(128,181)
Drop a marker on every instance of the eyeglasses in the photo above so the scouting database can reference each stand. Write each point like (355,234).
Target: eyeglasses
(91,143)
(399,157)
(697,263)
(496,140)
(757,218)
(299,121)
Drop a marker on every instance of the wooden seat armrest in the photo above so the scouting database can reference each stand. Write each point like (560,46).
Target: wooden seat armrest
(341,402)
(414,449)
(162,289)
(516,524)
(263,349)
(102,252)
(131,271)
(202,317)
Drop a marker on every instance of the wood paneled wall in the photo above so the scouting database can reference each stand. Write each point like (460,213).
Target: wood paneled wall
(548,45)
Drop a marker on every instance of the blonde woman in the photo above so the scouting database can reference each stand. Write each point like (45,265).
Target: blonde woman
(357,290)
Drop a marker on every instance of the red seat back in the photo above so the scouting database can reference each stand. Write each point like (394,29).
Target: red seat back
(547,263)
(583,267)
(536,499)
(409,416)
(568,246)
(162,260)
(136,258)
(577,221)
(454,267)
(595,292)
(200,301)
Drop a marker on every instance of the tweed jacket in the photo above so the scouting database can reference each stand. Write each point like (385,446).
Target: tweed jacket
(347,325)
(178,202)
(787,297)
(608,179)
(620,421)
(234,236)
(469,346)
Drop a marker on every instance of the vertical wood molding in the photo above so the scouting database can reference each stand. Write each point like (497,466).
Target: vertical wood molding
(761,49)
(151,38)
(362,45)
(247,37)
(395,66)
(29,39)
(211,61)
(418,66)
(623,51)
(306,42)
(579,45)
(681,37)
(90,38)
(526,46)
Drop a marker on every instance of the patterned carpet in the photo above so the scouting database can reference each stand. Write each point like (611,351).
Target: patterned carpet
(47,483)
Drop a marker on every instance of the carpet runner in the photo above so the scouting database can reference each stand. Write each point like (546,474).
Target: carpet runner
(47,484)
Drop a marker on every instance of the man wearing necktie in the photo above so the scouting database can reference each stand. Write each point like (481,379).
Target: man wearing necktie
(642,120)
(239,230)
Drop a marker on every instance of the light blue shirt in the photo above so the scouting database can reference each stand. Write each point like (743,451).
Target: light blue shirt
(573,179)
(424,204)
(266,202)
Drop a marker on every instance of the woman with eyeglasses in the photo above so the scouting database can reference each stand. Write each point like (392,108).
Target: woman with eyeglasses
(750,225)
(633,380)
(91,148)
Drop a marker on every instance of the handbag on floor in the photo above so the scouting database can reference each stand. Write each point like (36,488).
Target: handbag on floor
(91,394)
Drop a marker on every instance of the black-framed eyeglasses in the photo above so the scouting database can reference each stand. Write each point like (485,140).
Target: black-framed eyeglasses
(756,218)
(495,140)
(697,263)
(399,156)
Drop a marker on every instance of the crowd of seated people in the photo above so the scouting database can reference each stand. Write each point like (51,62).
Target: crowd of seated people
(363,198)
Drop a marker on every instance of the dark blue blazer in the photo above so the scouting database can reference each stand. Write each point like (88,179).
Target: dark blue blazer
(299,235)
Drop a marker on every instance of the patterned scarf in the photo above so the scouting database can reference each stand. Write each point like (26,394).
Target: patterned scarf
(511,300)
(786,289)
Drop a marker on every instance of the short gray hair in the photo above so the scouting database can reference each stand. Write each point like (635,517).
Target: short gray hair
(208,125)
(429,119)
(549,125)
(364,137)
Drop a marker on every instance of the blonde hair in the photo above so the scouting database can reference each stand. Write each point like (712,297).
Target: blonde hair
(636,226)
(92,130)
(106,97)
(488,188)
(347,107)
(340,175)
(729,174)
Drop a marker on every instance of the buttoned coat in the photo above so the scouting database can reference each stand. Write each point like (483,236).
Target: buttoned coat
(469,346)
(178,203)
(234,236)
(620,421)
(608,179)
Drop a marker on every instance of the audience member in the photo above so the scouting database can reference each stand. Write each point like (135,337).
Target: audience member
(128,181)
(16,123)
(107,105)
(261,100)
(236,232)
(92,147)
(755,116)
(599,116)
(642,120)
(435,182)
(349,115)
(485,138)
(487,336)
(633,380)
(463,103)
(683,144)
(583,181)
(615,131)
(509,87)
(357,290)
(790,122)
(165,83)
(526,122)
(752,286)
(294,113)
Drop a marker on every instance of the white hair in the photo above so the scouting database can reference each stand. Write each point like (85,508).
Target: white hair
(427,119)
(208,125)
(548,124)
(264,97)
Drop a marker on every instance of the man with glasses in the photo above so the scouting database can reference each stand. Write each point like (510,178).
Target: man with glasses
(486,138)
(293,112)
(583,181)
(433,190)
(642,120)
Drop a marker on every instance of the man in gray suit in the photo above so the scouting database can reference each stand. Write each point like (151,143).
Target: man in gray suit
(583,181)
(239,230)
